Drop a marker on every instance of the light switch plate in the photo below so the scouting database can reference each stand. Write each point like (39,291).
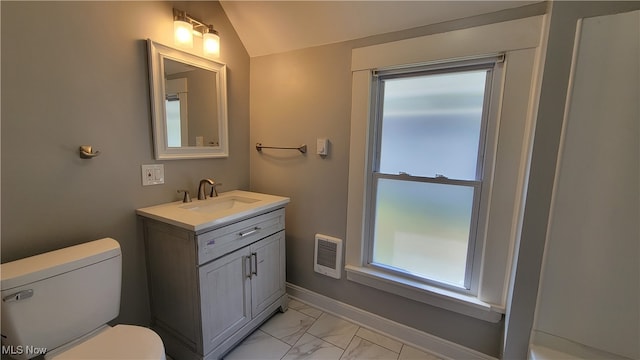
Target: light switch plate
(152,174)
(322,146)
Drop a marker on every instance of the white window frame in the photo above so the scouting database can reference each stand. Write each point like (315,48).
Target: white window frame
(493,64)
(514,102)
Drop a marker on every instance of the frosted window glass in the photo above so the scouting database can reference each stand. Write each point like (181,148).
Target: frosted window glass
(423,229)
(431,124)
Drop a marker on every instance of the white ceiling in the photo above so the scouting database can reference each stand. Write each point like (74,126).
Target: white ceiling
(268,27)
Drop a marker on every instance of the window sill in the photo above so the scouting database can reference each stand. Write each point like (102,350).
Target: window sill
(449,300)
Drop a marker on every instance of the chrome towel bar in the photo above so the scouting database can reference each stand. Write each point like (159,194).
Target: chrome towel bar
(302,148)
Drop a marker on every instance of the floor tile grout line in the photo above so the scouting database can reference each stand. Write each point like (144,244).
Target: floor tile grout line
(322,311)
(315,319)
(402,344)
(379,343)
(280,340)
(315,337)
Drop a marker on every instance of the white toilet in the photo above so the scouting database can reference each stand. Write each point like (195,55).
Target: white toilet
(59,303)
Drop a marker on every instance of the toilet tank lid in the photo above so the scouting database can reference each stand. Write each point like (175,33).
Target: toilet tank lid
(25,271)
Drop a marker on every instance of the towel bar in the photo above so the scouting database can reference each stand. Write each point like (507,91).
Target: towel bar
(302,148)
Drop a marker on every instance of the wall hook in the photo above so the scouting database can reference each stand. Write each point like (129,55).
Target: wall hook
(87,153)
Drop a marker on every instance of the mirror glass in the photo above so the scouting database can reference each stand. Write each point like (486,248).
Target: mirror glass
(189,103)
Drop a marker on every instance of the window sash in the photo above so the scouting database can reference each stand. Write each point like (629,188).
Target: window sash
(473,261)
(468,287)
(380,76)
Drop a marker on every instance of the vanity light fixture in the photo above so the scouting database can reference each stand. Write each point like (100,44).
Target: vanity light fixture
(185,26)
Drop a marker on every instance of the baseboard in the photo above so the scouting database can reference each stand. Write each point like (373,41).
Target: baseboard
(405,334)
(546,346)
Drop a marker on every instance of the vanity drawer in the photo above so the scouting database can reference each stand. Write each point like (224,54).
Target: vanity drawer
(219,242)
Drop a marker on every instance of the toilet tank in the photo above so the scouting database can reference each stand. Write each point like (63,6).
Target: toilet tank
(56,297)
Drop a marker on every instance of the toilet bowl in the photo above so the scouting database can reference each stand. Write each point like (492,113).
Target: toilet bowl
(59,303)
(118,342)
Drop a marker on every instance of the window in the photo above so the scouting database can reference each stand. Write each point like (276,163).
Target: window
(427,172)
(469,180)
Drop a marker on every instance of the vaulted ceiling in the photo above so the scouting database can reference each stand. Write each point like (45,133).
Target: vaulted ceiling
(267,27)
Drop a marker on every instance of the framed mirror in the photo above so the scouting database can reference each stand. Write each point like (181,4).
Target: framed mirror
(189,104)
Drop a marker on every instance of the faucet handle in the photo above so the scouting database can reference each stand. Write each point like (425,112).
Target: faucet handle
(214,191)
(187,196)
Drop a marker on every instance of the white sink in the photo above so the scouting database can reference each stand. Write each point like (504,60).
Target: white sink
(213,212)
(214,204)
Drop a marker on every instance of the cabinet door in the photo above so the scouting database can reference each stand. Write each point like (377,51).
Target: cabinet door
(268,270)
(225,290)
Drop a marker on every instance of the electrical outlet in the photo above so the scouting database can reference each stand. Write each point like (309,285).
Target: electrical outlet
(152,174)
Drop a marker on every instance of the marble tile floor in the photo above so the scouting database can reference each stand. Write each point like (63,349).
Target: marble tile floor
(304,332)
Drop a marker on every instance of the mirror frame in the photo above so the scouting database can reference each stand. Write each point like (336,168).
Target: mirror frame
(157,54)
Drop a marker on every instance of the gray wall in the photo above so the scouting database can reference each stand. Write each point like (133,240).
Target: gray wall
(75,73)
(299,96)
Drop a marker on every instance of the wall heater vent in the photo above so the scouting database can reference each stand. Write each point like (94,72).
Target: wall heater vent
(328,256)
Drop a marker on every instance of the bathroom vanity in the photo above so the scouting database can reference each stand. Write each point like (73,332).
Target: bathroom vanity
(216,270)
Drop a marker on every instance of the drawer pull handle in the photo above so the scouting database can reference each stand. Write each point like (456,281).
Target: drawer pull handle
(247,233)
(20,295)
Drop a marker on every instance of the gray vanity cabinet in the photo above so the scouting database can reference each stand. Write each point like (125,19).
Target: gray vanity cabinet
(239,286)
(210,289)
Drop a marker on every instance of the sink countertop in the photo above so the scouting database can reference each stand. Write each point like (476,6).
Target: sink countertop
(178,213)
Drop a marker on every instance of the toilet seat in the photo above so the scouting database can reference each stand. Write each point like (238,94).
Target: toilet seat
(118,342)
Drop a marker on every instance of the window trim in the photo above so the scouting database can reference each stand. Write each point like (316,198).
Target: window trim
(519,40)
